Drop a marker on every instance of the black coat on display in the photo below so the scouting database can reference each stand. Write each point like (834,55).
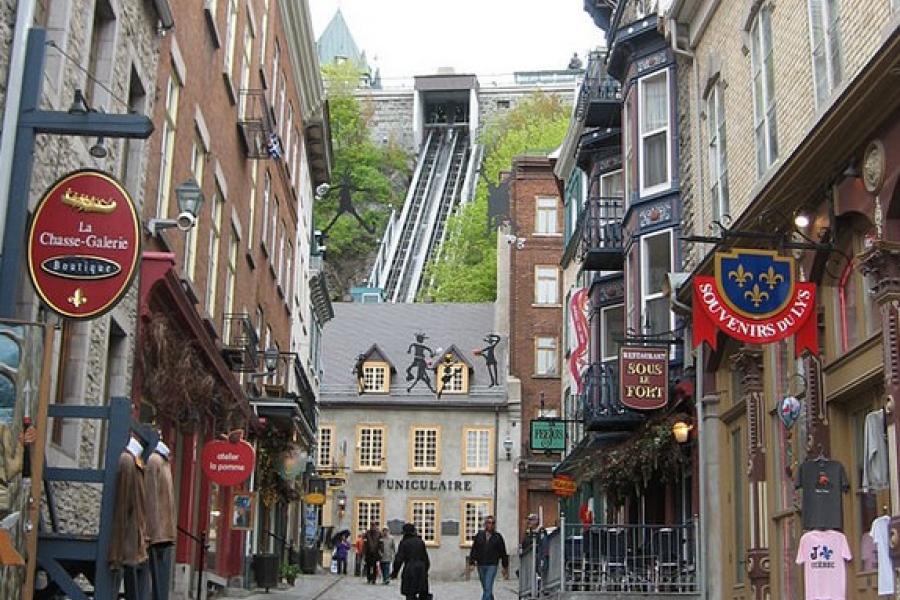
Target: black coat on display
(413,557)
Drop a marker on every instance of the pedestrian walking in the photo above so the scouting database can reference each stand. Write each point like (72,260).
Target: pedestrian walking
(413,557)
(340,554)
(358,562)
(372,552)
(489,551)
(535,539)
(388,552)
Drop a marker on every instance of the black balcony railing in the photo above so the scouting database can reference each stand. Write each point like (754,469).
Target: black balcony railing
(239,343)
(602,102)
(255,124)
(601,407)
(602,235)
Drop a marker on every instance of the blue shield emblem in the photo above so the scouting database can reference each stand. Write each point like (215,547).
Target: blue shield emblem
(755,283)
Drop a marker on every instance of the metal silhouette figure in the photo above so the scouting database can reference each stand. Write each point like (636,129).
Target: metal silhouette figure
(345,204)
(419,363)
(450,371)
(490,358)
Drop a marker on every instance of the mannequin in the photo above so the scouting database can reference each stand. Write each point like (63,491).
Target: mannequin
(159,501)
(128,542)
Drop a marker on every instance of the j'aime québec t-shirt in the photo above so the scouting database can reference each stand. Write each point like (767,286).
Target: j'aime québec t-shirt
(823,555)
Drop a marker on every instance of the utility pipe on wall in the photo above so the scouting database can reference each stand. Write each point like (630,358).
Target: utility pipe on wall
(24,21)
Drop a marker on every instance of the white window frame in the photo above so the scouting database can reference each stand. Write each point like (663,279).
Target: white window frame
(376,464)
(539,348)
(231,272)
(604,186)
(431,456)
(231,18)
(264,34)
(484,456)
(274,231)
(469,528)
(627,150)
(267,198)
(251,202)
(546,216)
(665,185)
(325,447)
(605,355)
(646,296)
(417,509)
(831,47)
(198,162)
(246,65)
(167,143)
(764,110)
(362,519)
(538,277)
(215,238)
(370,377)
(717,142)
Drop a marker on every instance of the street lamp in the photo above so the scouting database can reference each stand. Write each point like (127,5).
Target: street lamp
(190,199)
(270,361)
(508,446)
(681,431)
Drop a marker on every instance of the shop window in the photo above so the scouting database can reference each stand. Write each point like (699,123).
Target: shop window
(215,519)
(477,449)
(425,450)
(870,503)
(376,377)
(656,263)
(738,490)
(546,356)
(613,331)
(856,313)
(825,41)
(474,512)
(370,445)
(368,511)
(655,159)
(545,216)
(325,447)
(718,156)
(424,514)
(763,78)
(546,285)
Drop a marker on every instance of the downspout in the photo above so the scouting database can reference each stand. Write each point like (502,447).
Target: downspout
(496,454)
(701,362)
(24,21)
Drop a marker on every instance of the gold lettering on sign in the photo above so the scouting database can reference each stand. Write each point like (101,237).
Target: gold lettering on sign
(87,202)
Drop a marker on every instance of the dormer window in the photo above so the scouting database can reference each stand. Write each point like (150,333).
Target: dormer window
(373,372)
(453,373)
(376,377)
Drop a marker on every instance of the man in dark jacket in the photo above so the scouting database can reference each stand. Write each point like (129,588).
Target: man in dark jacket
(489,550)
(372,552)
(413,557)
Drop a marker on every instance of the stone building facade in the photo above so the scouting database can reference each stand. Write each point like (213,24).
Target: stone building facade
(817,166)
(416,428)
(536,354)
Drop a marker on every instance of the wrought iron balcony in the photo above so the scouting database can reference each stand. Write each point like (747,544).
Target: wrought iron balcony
(601,407)
(256,127)
(602,235)
(281,391)
(239,343)
(600,98)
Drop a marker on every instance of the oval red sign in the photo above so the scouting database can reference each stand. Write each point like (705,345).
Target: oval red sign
(228,463)
(83,244)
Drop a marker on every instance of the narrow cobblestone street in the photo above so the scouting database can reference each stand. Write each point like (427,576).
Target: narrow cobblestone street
(332,587)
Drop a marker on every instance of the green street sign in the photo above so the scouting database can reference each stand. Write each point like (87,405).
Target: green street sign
(548,435)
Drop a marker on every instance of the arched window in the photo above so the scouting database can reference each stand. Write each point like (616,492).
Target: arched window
(856,314)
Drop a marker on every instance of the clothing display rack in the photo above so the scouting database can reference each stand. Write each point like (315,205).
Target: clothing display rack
(65,556)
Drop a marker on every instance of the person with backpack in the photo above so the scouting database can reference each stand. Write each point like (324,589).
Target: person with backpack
(372,552)
(413,557)
(489,551)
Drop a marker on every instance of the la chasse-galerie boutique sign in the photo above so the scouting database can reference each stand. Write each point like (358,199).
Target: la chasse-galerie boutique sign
(83,244)
(755,297)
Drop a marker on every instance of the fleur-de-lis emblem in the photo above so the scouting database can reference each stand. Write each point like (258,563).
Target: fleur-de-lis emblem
(741,276)
(78,298)
(756,296)
(771,277)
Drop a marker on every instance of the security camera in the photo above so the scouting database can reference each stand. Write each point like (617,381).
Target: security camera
(510,239)
(322,189)
(185,221)
(520,243)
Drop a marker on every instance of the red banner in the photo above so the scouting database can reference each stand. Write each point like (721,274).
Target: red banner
(711,312)
(578,359)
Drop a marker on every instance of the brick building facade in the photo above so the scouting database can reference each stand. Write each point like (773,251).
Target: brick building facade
(536,360)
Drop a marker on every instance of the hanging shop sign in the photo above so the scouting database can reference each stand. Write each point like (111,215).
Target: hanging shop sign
(83,244)
(548,435)
(578,318)
(643,377)
(754,296)
(228,463)
(563,485)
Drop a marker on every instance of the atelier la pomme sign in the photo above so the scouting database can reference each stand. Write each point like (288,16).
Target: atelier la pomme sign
(83,244)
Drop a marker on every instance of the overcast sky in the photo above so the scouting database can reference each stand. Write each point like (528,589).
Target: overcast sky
(415,37)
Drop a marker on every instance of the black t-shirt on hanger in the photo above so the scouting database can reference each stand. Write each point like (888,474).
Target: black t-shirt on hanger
(823,482)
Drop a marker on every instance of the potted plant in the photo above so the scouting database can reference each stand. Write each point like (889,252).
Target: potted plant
(289,572)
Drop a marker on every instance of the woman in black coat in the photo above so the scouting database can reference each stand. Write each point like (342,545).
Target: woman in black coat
(413,557)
